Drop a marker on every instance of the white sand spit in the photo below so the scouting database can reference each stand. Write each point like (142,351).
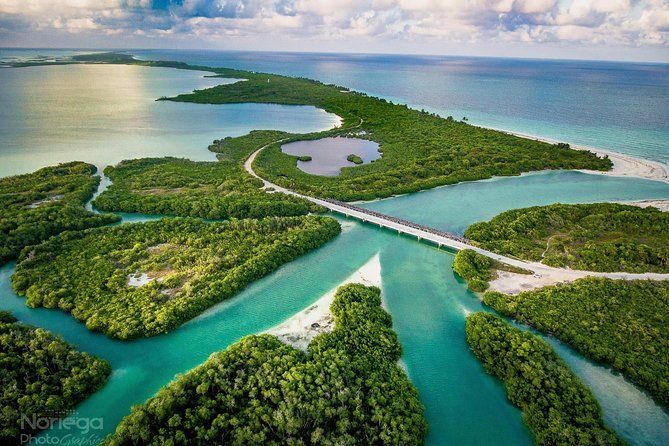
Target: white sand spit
(662,205)
(623,165)
(301,328)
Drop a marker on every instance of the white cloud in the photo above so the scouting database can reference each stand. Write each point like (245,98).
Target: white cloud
(582,22)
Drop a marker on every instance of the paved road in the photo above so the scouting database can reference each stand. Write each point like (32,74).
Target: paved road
(442,238)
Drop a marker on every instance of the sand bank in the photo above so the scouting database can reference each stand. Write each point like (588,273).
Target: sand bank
(513,283)
(300,329)
(662,205)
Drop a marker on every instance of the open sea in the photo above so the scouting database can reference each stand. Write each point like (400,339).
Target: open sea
(103,114)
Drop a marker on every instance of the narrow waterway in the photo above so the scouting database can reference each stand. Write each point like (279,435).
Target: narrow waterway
(428,303)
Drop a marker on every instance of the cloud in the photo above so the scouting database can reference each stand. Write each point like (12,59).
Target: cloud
(632,23)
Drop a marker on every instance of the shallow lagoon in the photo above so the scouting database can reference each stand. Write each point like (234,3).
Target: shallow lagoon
(104,114)
(329,155)
(427,301)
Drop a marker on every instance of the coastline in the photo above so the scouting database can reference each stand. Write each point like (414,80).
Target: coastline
(298,330)
(623,165)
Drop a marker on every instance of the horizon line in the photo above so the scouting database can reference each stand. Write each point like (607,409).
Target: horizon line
(473,56)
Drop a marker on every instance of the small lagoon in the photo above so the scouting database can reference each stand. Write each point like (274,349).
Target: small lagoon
(329,155)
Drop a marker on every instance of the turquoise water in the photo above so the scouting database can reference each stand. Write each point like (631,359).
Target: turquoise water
(453,208)
(428,303)
(458,395)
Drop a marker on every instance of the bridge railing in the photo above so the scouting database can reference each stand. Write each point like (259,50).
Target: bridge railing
(400,221)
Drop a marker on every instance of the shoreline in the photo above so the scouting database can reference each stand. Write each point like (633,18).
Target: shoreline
(299,329)
(662,205)
(623,165)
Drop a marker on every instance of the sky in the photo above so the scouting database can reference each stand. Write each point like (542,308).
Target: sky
(568,29)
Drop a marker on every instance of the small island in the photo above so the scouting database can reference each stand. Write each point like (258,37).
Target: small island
(41,377)
(346,389)
(304,158)
(355,159)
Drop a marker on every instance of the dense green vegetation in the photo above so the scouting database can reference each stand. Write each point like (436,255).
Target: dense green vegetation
(215,190)
(478,269)
(596,237)
(622,323)
(420,150)
(36,206)
(189,265)
(556,405)
(40,376)
(354,159)
(304,158)
(475,268)
(346,390)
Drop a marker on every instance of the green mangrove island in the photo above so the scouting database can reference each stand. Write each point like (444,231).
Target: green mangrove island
(556,405)
(593,237)
(355,159)
(143,279)
(44,203)
(617,322)
(41,376)
(419,150)
(215,190)
(346,390)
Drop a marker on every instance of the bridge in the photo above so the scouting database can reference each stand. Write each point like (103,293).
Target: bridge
(442,238)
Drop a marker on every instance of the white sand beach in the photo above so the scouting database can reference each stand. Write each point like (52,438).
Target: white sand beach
(514,283)
(630,166)
(662,205)
(300,329)
(623,165)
